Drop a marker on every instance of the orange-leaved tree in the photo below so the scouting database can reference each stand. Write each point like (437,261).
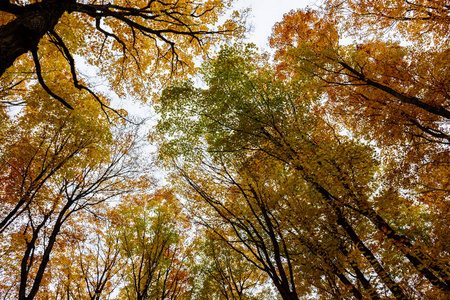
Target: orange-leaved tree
(390,86)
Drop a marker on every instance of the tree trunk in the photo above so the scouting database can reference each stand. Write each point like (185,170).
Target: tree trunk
(23,34)
(370,257)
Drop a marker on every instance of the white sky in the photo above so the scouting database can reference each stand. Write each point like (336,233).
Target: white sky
(265,13)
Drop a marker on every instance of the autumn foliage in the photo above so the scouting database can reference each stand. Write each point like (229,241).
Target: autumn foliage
(318,173)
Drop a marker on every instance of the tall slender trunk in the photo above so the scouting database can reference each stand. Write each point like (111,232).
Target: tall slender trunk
(360,276)
(376,265)
(420,260)
(62,215)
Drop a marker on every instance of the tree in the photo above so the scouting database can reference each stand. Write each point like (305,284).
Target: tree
(267,215)
(224,274)
(41,228)
(88,270)
(156,263)
(245,111)
(424,21)
(245,222)
(58,170)
(44,143)
(368,71)
(390,87)
(125,40)
(394,95)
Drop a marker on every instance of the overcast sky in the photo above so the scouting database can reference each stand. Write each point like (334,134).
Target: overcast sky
(265,13)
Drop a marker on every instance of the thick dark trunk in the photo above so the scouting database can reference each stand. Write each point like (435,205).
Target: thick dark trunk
(24,33)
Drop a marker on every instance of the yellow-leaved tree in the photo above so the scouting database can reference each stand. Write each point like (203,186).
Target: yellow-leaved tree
(126,42)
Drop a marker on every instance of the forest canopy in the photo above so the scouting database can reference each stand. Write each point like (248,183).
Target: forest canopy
(127,42)
(317,172)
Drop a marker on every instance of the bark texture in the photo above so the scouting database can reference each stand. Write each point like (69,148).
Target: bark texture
(32,22)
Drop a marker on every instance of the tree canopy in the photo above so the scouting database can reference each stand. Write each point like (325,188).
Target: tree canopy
(252,140)
(318,172)
(126,41)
